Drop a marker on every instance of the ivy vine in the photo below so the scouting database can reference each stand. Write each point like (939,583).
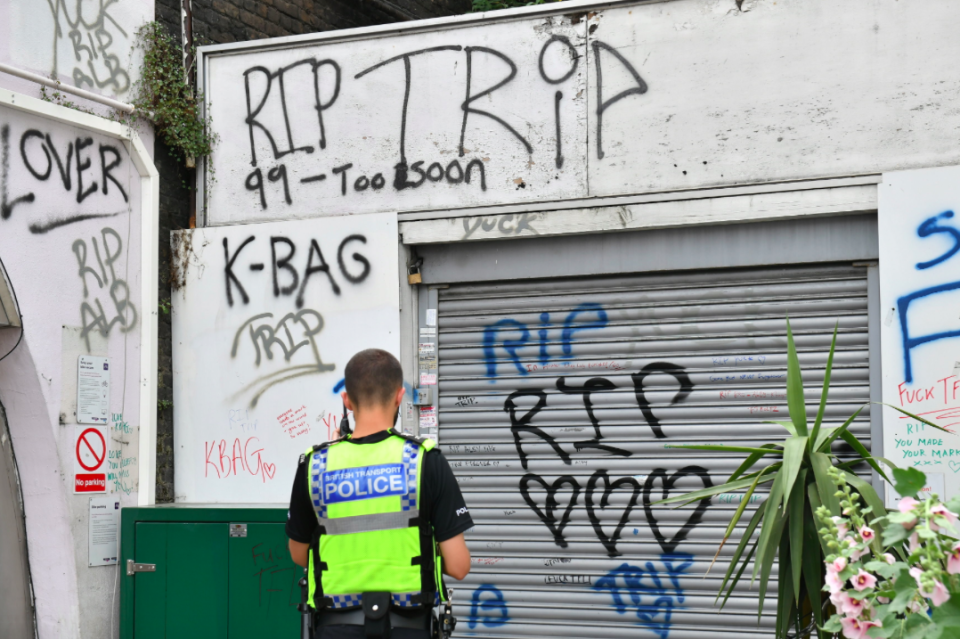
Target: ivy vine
(163,95)
(493,5)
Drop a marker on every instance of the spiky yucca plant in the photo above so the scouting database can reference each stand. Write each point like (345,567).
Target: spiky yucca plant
(800,485)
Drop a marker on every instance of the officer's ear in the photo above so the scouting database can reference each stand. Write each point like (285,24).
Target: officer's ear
(398,398)
(347,403)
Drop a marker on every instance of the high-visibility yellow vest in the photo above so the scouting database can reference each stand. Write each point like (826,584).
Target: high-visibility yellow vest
(366,498)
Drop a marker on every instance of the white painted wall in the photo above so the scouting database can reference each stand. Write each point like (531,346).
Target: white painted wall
(769,92)
(261,339)
(39,242)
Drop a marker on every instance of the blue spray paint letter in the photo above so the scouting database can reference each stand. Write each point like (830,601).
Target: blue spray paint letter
(573,323)
(491,611)
(929,227)
(909,343)
(490,340)
(645,590)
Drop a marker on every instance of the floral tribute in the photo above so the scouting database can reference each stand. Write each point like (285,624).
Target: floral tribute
(903,583)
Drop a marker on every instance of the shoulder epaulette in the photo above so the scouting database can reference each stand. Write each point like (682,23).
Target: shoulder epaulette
(425,442)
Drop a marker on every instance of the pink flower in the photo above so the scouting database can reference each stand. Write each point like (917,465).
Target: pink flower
(850,606)
(841,526)
(940,595)
(838,564)
(857,628)
(941,510)
(953,560)
(833,581)
(855,554)
(905,506)
(889,558)
(867,534)
(863,580)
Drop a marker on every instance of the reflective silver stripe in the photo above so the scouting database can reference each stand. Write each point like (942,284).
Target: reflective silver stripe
(368,523)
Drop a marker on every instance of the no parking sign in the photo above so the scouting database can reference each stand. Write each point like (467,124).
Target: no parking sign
(90,458)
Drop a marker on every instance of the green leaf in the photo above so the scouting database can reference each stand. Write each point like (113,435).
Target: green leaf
(909,481)
(697,495)
(827,437)
(771,509)
(948,614)
(790,427)
(825,486)
(795,532)
(786,593)
(813,498)
(795,402)
(826,387)
(793,452)
(906,588)
(851,439)
(773,531)
(748,463)
(884,569)
(916,417)
(720,448)
(812,562)
(744,540)
(735,519)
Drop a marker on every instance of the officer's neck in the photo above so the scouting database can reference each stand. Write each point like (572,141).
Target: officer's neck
(372,420)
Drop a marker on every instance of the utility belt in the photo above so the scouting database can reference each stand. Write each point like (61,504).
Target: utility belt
(377,618)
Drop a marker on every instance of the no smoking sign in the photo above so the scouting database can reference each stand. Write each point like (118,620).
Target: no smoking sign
(90,453)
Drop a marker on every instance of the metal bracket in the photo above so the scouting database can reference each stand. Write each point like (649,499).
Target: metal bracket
(133,567)
(422,397)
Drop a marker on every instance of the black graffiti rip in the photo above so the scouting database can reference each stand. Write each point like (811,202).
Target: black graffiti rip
(406,86)
(520,425)
(593,512)
(558,96)
(594,385)
(546,515)
(279,75)
(603,105)
(667,484)
(473,97)
(666,368)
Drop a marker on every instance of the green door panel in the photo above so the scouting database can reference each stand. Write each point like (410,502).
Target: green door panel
(263,584)
(187,595)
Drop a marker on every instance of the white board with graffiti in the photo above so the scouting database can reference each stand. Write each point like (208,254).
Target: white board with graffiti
(920,327)
(265,317)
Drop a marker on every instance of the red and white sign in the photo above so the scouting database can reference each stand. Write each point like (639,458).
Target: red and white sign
(90,460)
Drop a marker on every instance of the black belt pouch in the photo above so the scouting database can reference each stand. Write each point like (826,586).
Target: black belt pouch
(376,615)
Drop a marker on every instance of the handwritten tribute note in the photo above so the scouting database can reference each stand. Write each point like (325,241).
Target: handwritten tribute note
(919,224)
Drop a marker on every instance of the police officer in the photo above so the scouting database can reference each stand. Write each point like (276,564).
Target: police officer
(376,517)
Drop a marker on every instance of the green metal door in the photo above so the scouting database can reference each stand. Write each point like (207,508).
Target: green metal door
(264,592)
(187,595)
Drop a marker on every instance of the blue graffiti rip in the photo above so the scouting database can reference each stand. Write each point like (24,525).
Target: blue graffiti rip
(487,607)
(511,335)
(650,593)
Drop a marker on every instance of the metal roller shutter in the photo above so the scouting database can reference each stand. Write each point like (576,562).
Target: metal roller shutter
(556,402)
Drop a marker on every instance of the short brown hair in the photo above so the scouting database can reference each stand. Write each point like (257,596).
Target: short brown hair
(372,377)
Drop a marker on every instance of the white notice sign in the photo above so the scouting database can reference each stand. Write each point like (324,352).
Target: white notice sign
(93,390)
(920,326)
(104,529)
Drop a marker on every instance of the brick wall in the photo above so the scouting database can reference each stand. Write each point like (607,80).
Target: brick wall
(216,22)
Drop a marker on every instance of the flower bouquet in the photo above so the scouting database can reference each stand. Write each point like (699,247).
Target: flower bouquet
(904,585)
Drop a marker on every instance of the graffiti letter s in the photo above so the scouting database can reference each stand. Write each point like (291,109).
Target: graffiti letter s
(929,227)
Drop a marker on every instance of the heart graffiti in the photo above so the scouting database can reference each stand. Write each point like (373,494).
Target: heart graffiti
(547,514)
(593,512)
(667,483)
